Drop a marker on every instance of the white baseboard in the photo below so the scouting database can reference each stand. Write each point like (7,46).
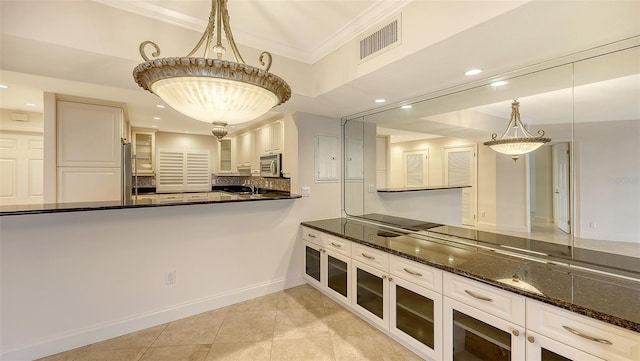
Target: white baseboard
(96,333)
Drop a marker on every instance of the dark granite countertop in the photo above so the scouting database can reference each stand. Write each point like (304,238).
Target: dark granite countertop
(609,298)
(415,189)
(145,201)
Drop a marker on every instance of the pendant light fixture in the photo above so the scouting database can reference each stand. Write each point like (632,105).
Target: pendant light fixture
(516,144)
(213,90)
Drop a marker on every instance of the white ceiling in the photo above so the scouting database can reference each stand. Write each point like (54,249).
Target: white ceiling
(43,49)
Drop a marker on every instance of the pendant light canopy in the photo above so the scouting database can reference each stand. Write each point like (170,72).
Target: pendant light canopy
(213,90)
(521,141)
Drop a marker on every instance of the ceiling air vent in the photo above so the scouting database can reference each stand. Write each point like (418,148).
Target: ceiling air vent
(383,38)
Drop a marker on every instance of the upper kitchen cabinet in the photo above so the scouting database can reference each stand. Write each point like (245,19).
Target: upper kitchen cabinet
(144,150)
(270,138)
(225,152)
(88,135)
(243,151)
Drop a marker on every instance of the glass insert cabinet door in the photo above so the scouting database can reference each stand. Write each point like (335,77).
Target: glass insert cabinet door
(541,348)
(370,298)
(416,317)
(313,263)
(338,275)
(472,335)
(144,148)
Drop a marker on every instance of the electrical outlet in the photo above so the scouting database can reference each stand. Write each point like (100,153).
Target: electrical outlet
(306,191)
(170,278)
(153,181)
(372,188)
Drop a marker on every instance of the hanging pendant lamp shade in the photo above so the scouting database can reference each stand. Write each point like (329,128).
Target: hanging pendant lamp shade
(213,90)
(521,142)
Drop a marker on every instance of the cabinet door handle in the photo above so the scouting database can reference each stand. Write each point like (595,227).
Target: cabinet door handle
(311,235)
(336,245)
(480,297)
(590,338)
(413,272)
(367,256)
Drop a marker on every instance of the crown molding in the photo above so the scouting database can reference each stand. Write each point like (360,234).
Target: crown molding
(312,53)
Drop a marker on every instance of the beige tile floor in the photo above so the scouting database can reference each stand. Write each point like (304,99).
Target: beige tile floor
(296,324)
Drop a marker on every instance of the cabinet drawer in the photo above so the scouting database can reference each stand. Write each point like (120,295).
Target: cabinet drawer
(371,257)
(495,301)
(337,244)
(312,235)
(417,273)
(595,337)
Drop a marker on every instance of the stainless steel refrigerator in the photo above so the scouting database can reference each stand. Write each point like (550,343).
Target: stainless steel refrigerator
(127,176)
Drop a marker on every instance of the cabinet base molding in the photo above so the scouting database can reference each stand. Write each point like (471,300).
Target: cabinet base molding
(80,337)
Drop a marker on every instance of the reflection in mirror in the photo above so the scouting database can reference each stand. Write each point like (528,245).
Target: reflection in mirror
(581,189)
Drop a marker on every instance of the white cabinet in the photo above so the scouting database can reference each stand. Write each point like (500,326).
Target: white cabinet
(144,150)
(415,305)
(370,293)
(541,348)
(443,316)
(88,184)
(576,331)
(270,138)
(88,135)
(481,321)
(89,148)
(327,264)
(225,151)
(243,151)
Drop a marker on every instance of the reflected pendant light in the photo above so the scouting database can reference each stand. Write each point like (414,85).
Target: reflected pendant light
(213,90)
(516,144)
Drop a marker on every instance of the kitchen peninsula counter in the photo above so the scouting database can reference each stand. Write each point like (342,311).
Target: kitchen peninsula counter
(609,298)
(145,201)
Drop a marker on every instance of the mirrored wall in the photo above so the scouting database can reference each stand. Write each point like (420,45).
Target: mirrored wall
(425,160)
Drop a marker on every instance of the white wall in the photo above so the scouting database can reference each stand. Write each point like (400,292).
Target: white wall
(512,196)
(69,279)
(607,165)
(34,123)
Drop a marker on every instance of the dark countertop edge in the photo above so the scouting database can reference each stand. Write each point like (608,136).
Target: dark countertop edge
(417,189)
(96,206)
(604,317)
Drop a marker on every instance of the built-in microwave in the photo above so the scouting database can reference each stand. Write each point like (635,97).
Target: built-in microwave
(270,165)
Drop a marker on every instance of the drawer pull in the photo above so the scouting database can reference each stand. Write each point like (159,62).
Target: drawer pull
(367,256)
(311,235)
(578,333)
(336,245)
(480,297)
(413,272)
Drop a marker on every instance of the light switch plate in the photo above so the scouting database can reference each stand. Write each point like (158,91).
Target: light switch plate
(306,191)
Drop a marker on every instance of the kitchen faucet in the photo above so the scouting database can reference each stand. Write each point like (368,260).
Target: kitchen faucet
(254,189)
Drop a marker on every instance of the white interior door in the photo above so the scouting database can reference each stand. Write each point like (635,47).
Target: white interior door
(561,187)
(416,165)
(460,169)
(21,169)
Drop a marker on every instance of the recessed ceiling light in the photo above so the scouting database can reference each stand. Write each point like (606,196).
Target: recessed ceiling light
(499,83)
(160,106)
(2,86)
(406,106)
(156,118)
(186,132)
(30,104)
(154,126)
(232,126)
(473,72)
(380,100)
